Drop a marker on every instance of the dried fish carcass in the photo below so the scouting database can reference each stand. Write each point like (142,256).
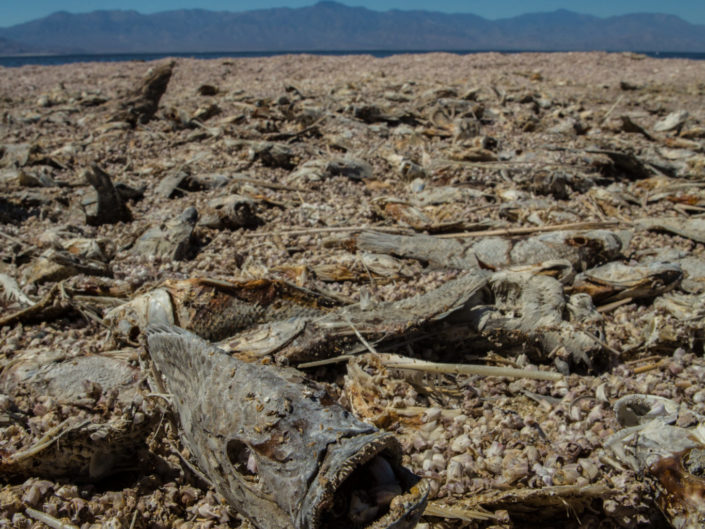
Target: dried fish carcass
(174,240)
(614,281)
(581,249)
(231,212)
(652,442)
(276,445)
(215,309)
(84,446)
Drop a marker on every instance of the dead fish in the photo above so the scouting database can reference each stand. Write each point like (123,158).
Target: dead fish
(173,240)
(86,448)
(690,228)
(110,207)
(231,212)
(673,456)
(215,309)
(82,450)
(277,446)
(581,249)
(614,281)
(55,265)
(142,103)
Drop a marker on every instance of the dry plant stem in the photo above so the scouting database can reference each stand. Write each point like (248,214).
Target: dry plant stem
(642,360)
(607,114)
(531,229)
(48,520)
(325,361)
(458,513)
(604,344)
(649,367)
(32,311)
(336,229)
(395,362)
(13,239)
(359,336)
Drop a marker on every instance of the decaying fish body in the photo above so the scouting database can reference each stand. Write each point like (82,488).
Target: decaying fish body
(581,249)
(315,338)
(88,447)
(215,309)
(674,456)
(614,281)
(525,307)
(277,447)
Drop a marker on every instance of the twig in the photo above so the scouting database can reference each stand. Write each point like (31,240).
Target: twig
(649,367)
(335,229)
(400,362)
(326,361)
(134,519)
(645,359)
(359,336)
(604,344)
(607,114)
(13,239)
(52,522)
(531,229)
(415,411)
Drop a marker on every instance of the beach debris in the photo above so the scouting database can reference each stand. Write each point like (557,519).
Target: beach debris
(83,450)
(18,154)
(86,447)
(109,207)
(272,154)
(581,249)
(207,90)
(321,169)
(11,212)
(408,214)
(141,105)
(615,281)
(231,212)
(215,309)
(672,122)
(277,446)
(173,240)
(666,442)
(523,308)
(177,183)
(55,265)
(480,269)
(691,228)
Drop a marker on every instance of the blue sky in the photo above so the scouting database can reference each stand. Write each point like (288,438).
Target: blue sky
(17,11)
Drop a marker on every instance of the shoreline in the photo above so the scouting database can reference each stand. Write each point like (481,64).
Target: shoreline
(52,59)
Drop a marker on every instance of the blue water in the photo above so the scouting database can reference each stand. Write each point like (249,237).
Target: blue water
(22,60)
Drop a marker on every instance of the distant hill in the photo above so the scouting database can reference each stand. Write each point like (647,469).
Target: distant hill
(9,47)
(334,26)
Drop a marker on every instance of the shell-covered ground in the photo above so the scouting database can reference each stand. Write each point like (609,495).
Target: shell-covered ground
(287,161)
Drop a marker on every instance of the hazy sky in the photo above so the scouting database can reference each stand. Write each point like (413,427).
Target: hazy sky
(16,11)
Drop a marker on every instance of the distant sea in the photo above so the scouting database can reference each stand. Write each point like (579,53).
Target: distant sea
(21,60)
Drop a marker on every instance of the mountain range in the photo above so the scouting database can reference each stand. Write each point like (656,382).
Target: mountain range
(333,26)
